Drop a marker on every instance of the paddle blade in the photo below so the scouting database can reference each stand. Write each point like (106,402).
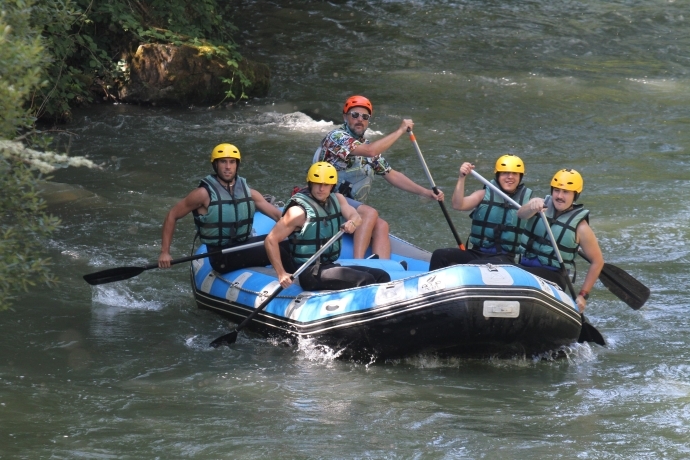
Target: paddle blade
(624,286)
(227,339)
(112,275)
(590,333)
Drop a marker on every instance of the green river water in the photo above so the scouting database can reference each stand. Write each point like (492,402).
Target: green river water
(123,370)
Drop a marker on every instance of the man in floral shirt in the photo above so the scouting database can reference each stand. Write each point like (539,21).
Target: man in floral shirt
(358,161)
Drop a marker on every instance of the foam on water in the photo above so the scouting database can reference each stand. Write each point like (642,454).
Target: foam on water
(119,295)
(312,351)
(296,121)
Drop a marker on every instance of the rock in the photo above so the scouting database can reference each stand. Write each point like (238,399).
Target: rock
(165,74)
(56,193)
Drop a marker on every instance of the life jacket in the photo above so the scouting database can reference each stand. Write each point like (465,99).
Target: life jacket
(535,239)
(322,223)
(495,224)
(354,181)
(229,218)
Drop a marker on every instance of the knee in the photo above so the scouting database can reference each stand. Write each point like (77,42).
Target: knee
(437,260)
(367,213)
(382,226)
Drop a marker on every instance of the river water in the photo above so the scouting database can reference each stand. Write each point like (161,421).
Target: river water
(123,370)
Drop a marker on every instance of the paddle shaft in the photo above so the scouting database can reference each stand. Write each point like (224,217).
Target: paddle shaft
(617,280)
(546,225)
(554,245)
(589,332)
(207,254)
(298,272)
(122,273)
(232,336)
(436,191)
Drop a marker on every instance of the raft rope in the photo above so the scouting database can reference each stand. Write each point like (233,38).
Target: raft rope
(236,285)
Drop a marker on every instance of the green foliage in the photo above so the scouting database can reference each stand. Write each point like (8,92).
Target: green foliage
(53,53)
(23,221)
(21,60)
(202,24)
(169,20)
(75,58)
(88,41)
(24,225)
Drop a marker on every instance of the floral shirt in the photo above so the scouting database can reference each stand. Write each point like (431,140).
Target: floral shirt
(339,149)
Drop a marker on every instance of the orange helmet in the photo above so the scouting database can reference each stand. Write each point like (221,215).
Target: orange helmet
(358,101)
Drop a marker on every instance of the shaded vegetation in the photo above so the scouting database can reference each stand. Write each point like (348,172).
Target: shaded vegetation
(56,55)
(89,42)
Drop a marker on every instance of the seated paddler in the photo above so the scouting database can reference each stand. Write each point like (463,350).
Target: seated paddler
(496,226)
(569,223)
(223,206)
(311,218)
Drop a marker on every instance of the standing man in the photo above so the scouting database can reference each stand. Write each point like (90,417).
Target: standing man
(311,218)
(357,161)
(223,207)
(496,228)
(569,223)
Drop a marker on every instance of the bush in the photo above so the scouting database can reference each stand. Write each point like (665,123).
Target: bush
(24,224)
(90,41)
(53,53)
(23,229)
(21,60)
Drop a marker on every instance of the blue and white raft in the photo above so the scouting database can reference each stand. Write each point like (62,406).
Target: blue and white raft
(467,310)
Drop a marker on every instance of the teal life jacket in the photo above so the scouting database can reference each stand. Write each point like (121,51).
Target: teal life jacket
(535,240)
(323,222)
(230,217)
(495,224)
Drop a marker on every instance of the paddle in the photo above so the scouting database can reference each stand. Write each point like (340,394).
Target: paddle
(436,191)
(588,333)
(230,338)
(615,279)
(122,273)
(622,284)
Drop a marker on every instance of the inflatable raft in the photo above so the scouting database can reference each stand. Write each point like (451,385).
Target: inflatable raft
(467,310)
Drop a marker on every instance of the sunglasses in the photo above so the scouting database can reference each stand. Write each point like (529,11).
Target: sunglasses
(356,115)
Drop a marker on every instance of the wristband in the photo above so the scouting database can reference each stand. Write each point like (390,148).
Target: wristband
(584,294)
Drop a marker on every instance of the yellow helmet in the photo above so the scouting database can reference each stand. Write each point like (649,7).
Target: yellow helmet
(322,173)
(509,163)
(225,151)
(568,179)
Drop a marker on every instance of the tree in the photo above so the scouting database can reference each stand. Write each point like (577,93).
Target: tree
(52,54)
(21,60)
(24,224)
